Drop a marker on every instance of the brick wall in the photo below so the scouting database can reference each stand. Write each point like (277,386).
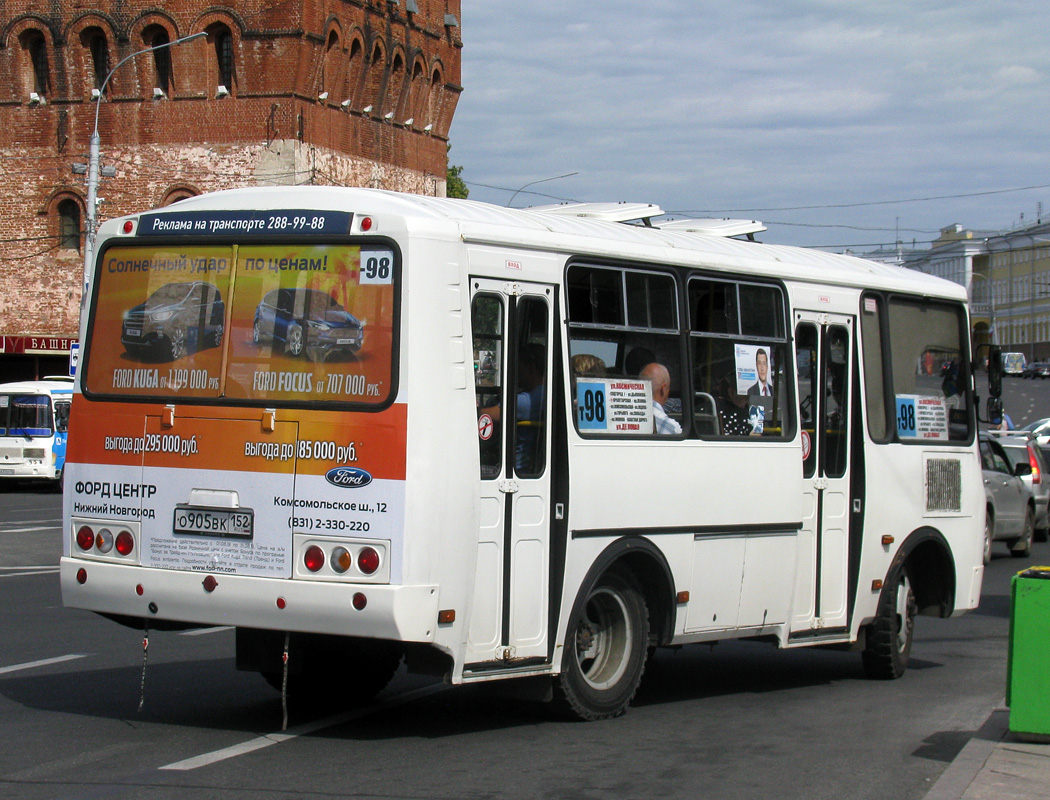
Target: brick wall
(391,77)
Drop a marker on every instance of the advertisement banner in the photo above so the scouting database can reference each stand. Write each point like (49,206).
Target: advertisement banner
(265,323)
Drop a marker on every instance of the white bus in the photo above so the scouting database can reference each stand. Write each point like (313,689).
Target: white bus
(362,426)
(34,419)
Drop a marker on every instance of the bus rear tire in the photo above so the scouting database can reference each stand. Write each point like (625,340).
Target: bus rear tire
(890,636)
(606,647)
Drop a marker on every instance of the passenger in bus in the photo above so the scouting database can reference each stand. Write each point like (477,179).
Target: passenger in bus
(530,405)
(660,379)
(586,365)
(732,408)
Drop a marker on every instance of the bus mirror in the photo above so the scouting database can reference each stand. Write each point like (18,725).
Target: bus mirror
(995,373)
(994,412)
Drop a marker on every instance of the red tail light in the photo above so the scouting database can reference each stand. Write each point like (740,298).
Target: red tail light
(125,543)
(85,538)
(368,560)
(313,558)
(1033,460)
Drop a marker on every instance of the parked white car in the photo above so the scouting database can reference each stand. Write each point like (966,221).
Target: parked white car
(1010,510)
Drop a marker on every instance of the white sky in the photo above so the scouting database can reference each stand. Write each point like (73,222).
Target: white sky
(744,108)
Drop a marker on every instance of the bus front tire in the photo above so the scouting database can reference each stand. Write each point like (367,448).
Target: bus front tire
(606,646)
(890,636)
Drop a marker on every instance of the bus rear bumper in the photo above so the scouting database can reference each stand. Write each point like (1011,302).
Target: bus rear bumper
(398,613)
(29,472)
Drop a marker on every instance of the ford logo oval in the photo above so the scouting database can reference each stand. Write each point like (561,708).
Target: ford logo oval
(348,477)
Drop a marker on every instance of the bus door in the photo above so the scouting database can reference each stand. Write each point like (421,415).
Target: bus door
(823,346)
(512,331)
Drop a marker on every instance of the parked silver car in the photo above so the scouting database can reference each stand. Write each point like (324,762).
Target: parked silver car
(1010,507)
(1041,429)
(1023,449)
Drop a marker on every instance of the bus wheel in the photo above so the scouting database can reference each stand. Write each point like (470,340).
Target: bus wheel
(890,635)
(606,648)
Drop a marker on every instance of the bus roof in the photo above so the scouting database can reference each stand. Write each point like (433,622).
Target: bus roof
(47,386)
(557,229)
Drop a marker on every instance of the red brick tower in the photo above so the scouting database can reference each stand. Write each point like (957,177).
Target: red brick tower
(338,92)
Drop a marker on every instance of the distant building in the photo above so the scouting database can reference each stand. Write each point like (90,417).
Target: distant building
(345,92)
(1007,278)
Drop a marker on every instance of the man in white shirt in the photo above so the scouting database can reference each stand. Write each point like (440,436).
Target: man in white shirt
(660,379)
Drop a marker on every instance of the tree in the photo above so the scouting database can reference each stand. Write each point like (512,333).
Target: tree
(454,185)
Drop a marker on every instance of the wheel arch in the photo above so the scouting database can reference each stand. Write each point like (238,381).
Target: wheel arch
(931,568)
(641,560)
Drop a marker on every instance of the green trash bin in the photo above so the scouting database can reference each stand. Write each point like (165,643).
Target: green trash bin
(1028,664)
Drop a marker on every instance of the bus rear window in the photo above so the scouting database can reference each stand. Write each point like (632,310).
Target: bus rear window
(274,323)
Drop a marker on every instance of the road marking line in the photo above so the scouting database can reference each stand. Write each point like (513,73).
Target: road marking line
(43,529)
(269,739)
(26,571)
(42,663)
(202,631)
(26,566)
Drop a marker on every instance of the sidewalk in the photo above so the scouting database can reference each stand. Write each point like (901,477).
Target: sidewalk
(996,765)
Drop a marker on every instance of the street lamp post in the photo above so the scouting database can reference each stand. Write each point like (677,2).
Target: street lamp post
(93,161)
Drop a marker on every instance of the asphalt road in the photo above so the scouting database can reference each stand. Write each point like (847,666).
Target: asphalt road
(737,720)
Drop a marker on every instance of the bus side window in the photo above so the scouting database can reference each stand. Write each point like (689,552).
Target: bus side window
(530,404)
(62,416)
(487,325)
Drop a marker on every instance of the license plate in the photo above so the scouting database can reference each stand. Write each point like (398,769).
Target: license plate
(225,523)
(134,332)
(7,472)
(346,341)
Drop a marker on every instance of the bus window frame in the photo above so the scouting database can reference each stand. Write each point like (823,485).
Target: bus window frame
(159,242)
(789,417)
(608,332)
(681,276)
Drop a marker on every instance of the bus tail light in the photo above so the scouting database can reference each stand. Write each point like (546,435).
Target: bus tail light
(85,538)
(1033,460)
(344,560)
(368,560)
(314,558)
(125,543)
(105,541)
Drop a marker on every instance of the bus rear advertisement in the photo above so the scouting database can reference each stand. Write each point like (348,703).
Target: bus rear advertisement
(366,428)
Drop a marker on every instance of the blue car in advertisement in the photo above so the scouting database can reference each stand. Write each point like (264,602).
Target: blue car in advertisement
(307,321)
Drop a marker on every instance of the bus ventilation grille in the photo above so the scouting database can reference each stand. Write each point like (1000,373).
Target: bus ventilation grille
(943,484)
